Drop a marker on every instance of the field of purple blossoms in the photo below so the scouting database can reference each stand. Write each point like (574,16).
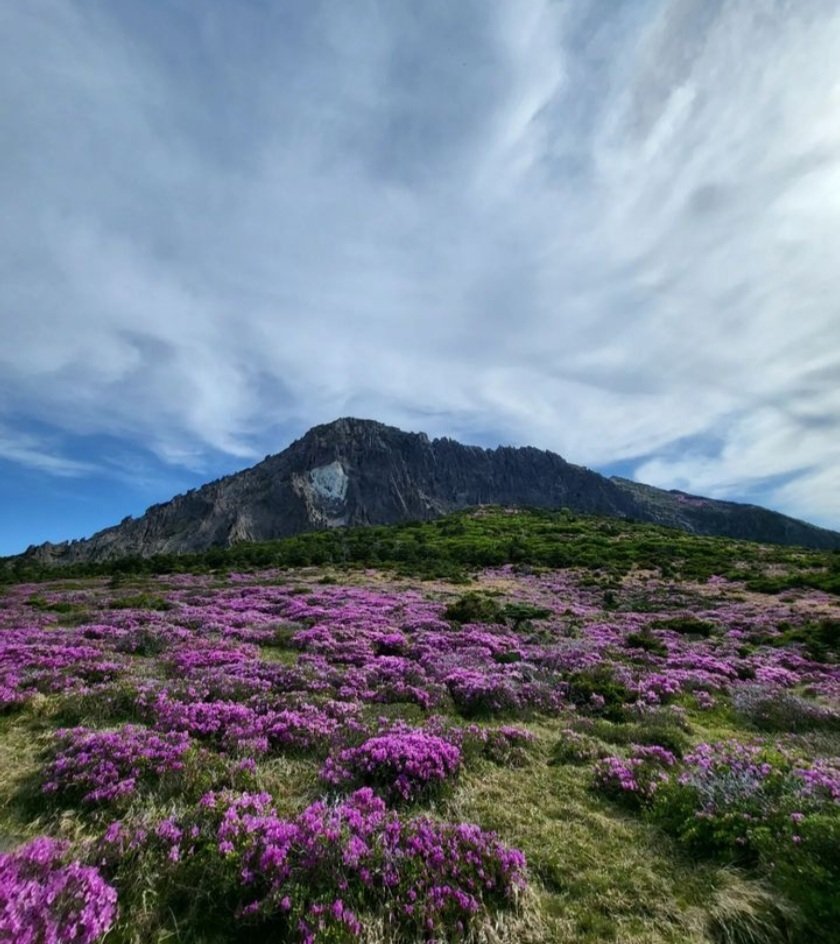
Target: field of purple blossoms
(309,755)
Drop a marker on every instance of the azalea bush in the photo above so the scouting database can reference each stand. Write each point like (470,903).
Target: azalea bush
(249,727)
(98,767)
(404,765)
(634,779)
(759,806)
(477,694)
(324,875)
(47,897)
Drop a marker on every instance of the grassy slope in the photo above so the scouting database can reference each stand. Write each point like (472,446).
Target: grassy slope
(599,874)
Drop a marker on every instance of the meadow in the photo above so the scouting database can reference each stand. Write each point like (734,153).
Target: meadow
(503,726)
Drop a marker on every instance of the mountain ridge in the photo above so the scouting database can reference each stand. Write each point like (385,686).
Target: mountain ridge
(359,472)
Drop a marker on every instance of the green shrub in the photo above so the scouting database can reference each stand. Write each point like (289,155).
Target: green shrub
(573,747)
(599,692)
(686,625)
(474,607)
(644,639)
(140,601)
(656,727)
(808,870)
(821,640)
(522,613)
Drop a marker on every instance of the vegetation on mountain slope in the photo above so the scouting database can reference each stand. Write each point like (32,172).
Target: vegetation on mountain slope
(486,537)
(501,726)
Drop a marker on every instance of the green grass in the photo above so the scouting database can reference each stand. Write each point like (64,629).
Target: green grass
(598,874)
(601,875)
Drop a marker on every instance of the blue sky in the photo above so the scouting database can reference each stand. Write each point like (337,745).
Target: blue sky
(608,229)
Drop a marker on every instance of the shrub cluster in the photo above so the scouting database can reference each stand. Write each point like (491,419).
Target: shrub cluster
(636,778)
(107,766)
(321,875)
(403,765)
(748,803)
(46,898)
(772,708)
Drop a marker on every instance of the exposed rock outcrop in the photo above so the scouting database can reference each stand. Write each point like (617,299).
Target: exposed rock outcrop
(359,472)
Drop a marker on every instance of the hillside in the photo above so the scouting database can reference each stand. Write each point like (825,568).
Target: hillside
(312,753)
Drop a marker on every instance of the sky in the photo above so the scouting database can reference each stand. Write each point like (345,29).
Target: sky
(609,229)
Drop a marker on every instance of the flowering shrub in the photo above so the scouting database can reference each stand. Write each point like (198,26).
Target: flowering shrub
(317,876)
(46,899)
(636,778)
(107,766)
(401,765)
(574,747)
(756,805)
(506,745)
(734,783)
(34,661)
(239,728)
(820,780)
(476,693)
(776,709)
(305,728)
(501,690)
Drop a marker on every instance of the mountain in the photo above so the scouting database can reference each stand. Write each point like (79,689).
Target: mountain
(359,472)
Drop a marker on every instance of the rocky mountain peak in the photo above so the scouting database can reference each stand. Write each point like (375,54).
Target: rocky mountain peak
(357,471)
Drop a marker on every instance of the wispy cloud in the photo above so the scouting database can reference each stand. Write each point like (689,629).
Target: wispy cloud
(37,453)
(605,228)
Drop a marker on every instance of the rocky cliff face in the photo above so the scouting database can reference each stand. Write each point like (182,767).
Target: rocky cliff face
(358,472)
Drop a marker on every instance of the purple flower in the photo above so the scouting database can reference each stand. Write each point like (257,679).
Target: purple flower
(105,766)
(402,764)
(47,898)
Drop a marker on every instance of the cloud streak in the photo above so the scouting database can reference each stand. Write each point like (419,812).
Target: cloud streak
(607,229)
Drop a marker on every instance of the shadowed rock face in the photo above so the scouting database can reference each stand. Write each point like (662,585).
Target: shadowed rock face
(358,472)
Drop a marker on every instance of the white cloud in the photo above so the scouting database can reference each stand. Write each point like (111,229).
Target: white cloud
(602,234)
(38,453)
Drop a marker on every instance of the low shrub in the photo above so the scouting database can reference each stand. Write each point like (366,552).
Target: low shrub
(506,693)
(686,626)
(46,897)
(573,747)
(598,692)
(507,746)
(323,876)
(645,640)
(521,614)
(660,726)
(101,767)
(821,640)
(634,779)
(403,766)
(752,805)
(474,607)
(771,708)
(140,601)
(477,694)
(142,641)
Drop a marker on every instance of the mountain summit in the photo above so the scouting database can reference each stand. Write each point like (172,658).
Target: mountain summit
(360,472)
